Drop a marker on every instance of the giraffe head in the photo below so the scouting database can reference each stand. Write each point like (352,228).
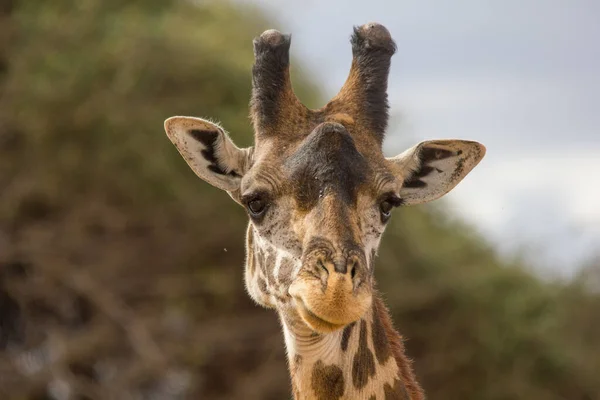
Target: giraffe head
(316,186)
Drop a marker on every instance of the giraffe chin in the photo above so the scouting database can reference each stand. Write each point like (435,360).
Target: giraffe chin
(330,308)
(329,319)
(315,322)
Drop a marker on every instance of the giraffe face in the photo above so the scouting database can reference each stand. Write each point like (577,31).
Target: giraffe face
(316,186)
(323,204)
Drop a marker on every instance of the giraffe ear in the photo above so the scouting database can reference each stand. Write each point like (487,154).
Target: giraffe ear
(433,168)
(209,151)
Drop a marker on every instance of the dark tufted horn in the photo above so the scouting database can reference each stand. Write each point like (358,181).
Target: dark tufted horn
(364,94)
(273,100)
(275,109)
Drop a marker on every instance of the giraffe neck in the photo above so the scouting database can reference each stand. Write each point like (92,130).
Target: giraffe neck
(365,360)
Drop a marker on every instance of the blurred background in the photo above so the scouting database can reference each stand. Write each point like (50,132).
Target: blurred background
(121,272)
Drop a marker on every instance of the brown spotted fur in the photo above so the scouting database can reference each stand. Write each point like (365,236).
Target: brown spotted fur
(408,379)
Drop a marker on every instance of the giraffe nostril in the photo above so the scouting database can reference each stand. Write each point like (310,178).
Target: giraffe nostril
(321,265)
(353,270)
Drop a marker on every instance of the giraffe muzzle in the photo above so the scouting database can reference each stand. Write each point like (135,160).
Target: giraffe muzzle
(332,292)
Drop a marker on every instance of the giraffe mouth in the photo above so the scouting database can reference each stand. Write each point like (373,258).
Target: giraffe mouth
(315,322)
(330,309)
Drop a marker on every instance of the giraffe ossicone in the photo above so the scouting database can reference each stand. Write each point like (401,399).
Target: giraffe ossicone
(319,192)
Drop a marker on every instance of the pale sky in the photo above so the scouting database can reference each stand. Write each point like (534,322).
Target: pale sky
(521,77)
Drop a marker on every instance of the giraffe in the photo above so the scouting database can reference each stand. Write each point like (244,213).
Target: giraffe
(319,192)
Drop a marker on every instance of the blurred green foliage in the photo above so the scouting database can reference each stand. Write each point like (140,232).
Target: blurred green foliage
(90,182)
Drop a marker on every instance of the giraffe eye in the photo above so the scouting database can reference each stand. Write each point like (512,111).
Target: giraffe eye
(386,208)
(257,207)
(387,204)
(257,203)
